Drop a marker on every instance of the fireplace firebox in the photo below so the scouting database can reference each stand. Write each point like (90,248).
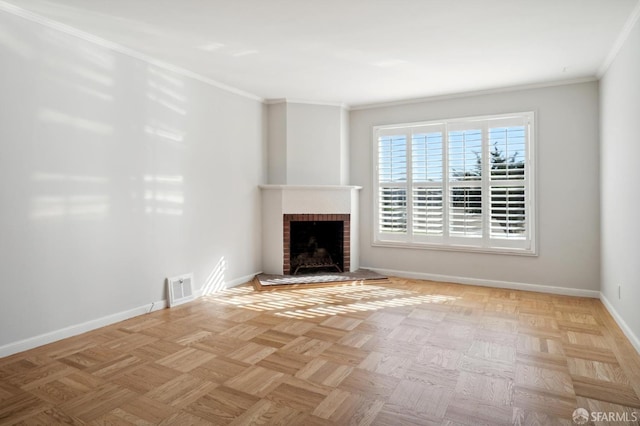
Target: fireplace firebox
(316,243)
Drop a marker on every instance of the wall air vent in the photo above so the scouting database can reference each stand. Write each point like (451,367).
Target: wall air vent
(180,289)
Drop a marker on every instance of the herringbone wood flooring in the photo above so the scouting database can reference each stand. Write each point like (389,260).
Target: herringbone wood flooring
(405,352)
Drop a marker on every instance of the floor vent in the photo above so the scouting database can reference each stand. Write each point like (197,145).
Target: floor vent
(180,289)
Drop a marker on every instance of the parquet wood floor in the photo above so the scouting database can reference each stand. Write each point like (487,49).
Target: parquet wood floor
(406,352)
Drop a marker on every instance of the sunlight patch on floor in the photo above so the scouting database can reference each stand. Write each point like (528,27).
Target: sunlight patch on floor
(325,301)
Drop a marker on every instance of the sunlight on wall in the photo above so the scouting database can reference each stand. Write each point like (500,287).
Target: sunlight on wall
(157,99)
(162,194)
(92,78)
(165,91)
(88,206)
(81,72)
(215,281)
(175,179)
(160,73)
(175,197)
(167,134)
(75,86)
(85,202)
(92,53)
(58,117)
(97,57)
(70,79)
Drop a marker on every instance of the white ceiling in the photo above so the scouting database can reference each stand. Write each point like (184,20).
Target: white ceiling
(359,51)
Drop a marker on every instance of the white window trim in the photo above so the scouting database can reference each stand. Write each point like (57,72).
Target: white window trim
(456,243)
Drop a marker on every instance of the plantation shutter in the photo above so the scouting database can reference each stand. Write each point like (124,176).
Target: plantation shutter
(508,153)
(464,171)
(392,183)
(463,183)
(427,177)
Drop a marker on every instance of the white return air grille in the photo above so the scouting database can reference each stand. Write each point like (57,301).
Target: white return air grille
(180,289)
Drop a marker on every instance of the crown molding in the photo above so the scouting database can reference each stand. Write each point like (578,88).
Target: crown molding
(620,40)
(475,93)
(306,102)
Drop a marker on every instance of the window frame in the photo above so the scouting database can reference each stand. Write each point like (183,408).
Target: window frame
(445,242)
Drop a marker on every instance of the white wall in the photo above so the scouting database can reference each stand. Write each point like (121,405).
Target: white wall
(567,190)
(115,174)
(277,143)
(620,177)
(344,147)
(314,135)
(308,144)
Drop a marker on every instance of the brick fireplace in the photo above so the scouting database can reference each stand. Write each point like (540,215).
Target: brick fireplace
(316,242)
(312,208)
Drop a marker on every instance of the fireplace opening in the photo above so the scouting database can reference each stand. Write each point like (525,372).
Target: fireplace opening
(315,243)
(316,246)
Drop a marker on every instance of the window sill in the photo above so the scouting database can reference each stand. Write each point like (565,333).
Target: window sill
(457,248)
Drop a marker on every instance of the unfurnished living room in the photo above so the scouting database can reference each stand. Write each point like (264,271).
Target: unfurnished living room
(418,212)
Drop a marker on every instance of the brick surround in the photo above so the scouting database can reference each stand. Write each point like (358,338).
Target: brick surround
(286,235)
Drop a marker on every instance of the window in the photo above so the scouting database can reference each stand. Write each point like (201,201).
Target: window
(456,184)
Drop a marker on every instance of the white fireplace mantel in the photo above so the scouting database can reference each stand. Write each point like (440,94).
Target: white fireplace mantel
(278,200)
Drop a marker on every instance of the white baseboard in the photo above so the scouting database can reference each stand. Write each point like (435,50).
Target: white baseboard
(74,330)
(566,291)
(635,340)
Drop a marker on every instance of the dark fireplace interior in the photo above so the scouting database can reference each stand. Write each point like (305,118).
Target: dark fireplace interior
(316,246)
